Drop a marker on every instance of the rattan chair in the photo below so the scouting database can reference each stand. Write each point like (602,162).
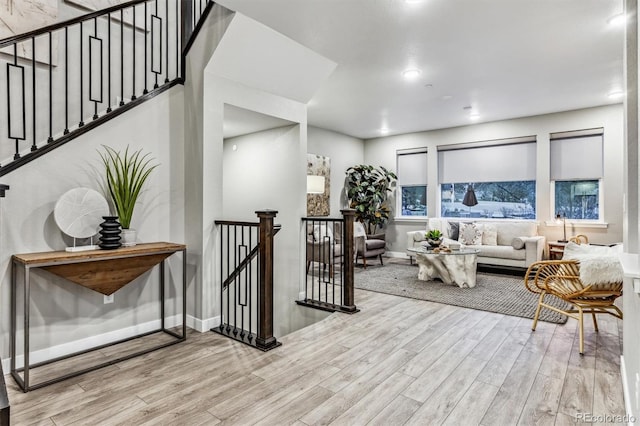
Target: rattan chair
(580,239)
(561,278)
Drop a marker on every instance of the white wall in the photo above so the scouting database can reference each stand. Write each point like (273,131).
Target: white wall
(61,311)
(344,152)
(631,301)
(382,151)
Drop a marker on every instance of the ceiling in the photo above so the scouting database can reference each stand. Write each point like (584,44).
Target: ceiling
(502,58)
(240,121)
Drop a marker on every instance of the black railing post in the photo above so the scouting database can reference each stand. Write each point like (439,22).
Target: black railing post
(187,22)
(349,216)
(265,339)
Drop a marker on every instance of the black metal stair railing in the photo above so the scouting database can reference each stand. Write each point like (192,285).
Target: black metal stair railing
(246,276)
(62,80)
(329,260)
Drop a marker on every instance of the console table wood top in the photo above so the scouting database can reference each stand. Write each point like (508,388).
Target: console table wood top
(104,271)
(53,257)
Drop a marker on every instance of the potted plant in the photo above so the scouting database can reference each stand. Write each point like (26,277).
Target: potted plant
(367,190)
(434,238)
(126,174)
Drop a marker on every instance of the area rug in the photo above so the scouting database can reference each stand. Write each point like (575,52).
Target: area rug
(503,294)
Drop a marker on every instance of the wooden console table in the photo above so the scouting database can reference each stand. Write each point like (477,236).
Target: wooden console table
(104,271)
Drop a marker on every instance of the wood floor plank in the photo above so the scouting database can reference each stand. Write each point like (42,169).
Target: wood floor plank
(443,400)
(473,405)
(437,373)
(541,407)
(373,403)
(350,395)
(512,396)
(397,412)
(500,364)
(577,395)
(267,404)
(298,407)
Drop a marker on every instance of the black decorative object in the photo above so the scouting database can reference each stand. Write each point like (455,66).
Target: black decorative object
(110,233)
(470,199)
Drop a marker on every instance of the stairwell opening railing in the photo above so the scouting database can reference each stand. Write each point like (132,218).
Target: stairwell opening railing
(246,277)
(62,80)
(329,263)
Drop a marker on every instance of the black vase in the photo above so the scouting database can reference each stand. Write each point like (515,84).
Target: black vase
(110,233)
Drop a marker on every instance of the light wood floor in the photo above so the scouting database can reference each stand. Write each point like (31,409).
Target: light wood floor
(399,361)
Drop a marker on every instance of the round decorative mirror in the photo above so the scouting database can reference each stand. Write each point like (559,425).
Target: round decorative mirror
(78,213)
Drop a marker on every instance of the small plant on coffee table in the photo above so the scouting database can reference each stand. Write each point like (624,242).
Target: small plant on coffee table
(434,238)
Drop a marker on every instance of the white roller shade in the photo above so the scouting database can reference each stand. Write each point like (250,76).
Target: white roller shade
(412,169)
(495,163)
(577,158)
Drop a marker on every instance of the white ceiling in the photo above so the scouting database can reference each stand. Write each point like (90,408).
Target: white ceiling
(504,58)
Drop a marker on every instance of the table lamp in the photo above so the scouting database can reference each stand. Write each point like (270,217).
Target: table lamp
(564,227)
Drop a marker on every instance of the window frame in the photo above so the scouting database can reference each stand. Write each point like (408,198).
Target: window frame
(559,136)
(599,221)
(398,191)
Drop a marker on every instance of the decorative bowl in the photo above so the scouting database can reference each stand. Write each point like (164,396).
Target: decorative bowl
(434,243)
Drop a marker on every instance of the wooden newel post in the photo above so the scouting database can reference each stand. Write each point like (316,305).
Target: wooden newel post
(265,339)
(348,300)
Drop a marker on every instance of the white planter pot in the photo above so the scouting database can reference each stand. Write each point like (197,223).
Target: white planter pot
(128,237)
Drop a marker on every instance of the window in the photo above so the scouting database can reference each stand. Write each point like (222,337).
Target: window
(502,175)
(412,183)
(576,174)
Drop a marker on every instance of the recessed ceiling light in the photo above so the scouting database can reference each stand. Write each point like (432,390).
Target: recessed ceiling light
(474,116)
(616,95)
(412,1)
(384,130)
(411,74)
(618,19)
(447,97)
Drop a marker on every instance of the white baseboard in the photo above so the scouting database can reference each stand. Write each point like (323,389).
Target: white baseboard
(202,325)
(625,389)
(111,336)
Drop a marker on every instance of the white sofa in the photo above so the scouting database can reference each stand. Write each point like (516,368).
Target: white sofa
(505,243)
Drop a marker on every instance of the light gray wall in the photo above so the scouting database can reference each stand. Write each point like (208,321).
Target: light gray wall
(210,35)
(258,176)
(62,311)
(382,151)
(344,152)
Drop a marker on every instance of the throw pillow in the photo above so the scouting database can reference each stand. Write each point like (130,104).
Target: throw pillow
(517,243)
(490,235)
(454,230)
(320,232)
(470,234)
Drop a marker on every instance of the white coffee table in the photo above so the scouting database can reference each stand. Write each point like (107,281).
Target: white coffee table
(455,267)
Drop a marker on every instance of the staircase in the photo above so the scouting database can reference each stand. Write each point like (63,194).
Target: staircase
(60,81)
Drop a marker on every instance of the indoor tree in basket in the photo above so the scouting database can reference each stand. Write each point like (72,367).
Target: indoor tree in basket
(126,174)
(367,191)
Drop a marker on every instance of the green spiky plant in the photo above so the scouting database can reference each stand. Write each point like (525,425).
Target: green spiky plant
(126,174)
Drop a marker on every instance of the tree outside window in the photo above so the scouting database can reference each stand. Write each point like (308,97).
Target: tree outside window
(578,199)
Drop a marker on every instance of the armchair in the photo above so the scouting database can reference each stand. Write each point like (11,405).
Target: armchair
(368,245)
(324,245)
(576,282)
